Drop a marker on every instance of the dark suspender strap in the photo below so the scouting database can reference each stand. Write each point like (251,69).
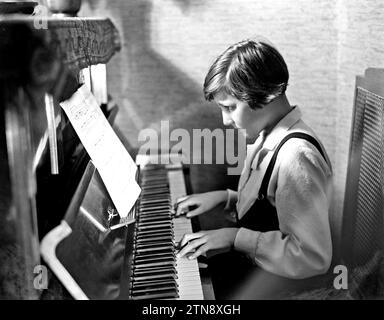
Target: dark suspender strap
(268,172)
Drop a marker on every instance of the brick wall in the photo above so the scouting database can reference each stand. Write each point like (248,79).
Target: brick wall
(168,46)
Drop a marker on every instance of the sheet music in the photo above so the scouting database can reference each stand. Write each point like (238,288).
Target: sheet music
(116,167)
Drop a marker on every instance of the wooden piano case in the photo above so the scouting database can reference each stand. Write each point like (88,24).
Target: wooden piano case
(53,201)
(42,160)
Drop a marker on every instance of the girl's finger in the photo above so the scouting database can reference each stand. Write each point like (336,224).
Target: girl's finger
(202,250)
(189,237)
(191,245)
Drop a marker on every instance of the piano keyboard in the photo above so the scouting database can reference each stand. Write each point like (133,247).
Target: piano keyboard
(156,272)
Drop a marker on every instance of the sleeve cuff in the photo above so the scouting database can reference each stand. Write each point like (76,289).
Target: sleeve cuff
(246,241)
(231,199)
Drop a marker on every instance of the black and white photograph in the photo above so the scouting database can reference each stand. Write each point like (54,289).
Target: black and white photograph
(210,152)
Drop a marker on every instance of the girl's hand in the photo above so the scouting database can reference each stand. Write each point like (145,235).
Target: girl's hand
(203,201)
(206,240)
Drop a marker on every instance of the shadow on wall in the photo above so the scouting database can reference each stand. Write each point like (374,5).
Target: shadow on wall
(185,5)
(149,88)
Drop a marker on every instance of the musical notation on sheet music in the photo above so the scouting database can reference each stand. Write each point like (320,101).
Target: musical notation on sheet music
(105,149)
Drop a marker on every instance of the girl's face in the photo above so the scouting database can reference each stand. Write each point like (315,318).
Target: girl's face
(238,114)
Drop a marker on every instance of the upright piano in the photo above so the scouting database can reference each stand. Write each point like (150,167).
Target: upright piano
(95,260)
(56,199)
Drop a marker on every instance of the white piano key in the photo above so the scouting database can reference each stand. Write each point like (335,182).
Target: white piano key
(187,270)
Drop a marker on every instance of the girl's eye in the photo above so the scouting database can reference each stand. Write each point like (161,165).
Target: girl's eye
(228,108)
(231,108)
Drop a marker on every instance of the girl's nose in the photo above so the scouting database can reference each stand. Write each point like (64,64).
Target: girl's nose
(227,120)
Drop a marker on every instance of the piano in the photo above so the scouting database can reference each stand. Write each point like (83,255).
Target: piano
(94,260)
(63,215)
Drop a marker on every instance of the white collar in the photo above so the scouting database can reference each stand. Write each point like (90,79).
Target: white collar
(280,130)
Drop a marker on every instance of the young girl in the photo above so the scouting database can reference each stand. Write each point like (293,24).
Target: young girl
(284,192)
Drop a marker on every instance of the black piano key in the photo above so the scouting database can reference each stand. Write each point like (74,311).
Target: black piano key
(142,230)
(163,226)
(145,268)
(160,202)
(163,213)
(154,255)
(154,289)
(155,218)
(155,208)
(142,259)
(156,228)
(155,249)
(144,179)
(155,186)
(155,225)
(155,238)
(155,191)
(159,233)
(155,173)
(157,269)
(150,214)
(144,234)
(152,232)
(158,177)
(164,204)
(156,282)
(159,283)
(171,267)
(163,245)
(169,246)
(152,201)
(152,250)
(154,245)
(166,220)
(151,270)
(157,205)
(152,282)
(155,263)
(154,276)
(156,196)
(162,295)
(163,193)
(167,216)
(145,263)
(160,226)
(162,249)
